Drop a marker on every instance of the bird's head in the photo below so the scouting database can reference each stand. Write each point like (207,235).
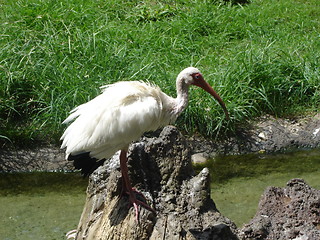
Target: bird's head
(192,76)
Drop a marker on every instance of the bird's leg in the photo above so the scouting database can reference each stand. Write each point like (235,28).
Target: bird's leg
(127,186)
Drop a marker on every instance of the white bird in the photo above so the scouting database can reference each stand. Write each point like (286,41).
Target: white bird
(120,115)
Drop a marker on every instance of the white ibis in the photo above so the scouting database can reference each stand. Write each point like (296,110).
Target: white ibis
(120,115)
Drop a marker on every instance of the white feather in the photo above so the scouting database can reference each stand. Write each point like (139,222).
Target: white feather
(115,118)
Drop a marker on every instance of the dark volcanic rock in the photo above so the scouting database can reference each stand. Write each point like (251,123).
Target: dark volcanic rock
(161,169)
(292,212)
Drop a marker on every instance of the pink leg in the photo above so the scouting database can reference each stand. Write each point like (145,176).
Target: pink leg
(127,186)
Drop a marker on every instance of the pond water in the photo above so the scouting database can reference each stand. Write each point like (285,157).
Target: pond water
(237,182)
(47,205)
(36,206)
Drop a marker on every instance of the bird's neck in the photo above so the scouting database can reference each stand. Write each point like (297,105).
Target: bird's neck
(182,97)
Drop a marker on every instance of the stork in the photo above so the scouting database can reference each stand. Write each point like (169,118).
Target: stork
(121,114)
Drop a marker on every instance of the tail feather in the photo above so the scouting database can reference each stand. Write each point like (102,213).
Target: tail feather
(85,163)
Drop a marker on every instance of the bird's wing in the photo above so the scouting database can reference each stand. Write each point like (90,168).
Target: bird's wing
(109,122)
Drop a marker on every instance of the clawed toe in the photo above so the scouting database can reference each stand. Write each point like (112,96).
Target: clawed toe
(136,200)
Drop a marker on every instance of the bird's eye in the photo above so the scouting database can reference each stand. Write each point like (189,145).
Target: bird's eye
(196,76)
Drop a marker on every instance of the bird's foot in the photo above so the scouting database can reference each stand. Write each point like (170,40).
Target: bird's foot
(137,199)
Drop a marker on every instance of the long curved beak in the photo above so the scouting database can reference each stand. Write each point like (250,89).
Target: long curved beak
(205,86)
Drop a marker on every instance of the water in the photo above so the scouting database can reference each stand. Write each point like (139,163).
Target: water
(47,205)
(239,181)
(40,206)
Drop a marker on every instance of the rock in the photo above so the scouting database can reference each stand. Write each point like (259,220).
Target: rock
(315,132)
(292,212)
(262,136)
(199,158)
(161,169)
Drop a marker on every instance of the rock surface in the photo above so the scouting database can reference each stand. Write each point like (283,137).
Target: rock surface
(161,169)
(292,212)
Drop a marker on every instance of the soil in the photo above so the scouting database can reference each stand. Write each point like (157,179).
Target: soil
(266,134)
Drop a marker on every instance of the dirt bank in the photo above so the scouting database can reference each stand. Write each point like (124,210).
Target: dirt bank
(266,134)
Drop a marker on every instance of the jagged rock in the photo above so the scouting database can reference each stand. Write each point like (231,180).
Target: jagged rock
(292,212)
(161,169)
(199,158)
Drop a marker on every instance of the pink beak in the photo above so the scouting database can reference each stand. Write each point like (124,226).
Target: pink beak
(205,86)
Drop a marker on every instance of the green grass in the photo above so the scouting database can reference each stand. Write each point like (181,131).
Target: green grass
(262,57)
